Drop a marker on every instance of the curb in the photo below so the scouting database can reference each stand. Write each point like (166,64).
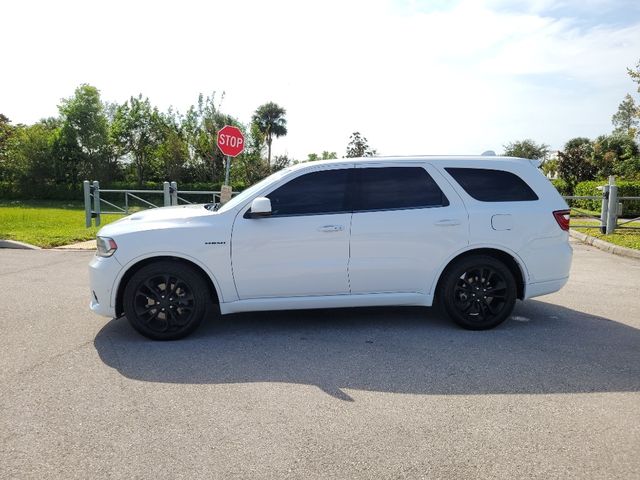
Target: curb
(605,246)
(17,245)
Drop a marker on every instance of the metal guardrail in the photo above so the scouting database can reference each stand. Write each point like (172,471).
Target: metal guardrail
(171,196)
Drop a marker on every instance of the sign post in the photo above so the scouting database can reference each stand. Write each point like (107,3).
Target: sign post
(231,143)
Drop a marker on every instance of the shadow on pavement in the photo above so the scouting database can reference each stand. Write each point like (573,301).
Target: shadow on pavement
(544,348)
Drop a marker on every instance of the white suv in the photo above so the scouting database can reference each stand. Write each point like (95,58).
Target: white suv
(470,233)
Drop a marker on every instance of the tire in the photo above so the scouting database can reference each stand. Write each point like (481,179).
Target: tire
(478,292)
(157,317)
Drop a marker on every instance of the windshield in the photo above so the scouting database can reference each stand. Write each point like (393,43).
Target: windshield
(245,194)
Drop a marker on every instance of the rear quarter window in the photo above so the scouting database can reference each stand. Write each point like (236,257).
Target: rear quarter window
(489,185)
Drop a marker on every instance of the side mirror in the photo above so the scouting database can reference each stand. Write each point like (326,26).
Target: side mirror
(260,207)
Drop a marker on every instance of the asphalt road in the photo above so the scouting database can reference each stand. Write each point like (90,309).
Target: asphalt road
(367,393)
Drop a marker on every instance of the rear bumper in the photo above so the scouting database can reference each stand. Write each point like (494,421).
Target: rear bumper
(543,288)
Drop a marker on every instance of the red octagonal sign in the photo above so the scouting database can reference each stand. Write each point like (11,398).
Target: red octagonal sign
(230,141)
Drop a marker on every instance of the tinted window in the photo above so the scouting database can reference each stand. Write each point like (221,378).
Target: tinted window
(396,187)
(492,185)
(313,193)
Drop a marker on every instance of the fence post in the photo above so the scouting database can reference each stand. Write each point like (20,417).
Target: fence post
(174,193)
(612,218)
(167,194)
(604,209)
(126,203)
(96,201)
(87,203)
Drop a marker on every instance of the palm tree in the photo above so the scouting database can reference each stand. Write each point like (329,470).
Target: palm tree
(269,118)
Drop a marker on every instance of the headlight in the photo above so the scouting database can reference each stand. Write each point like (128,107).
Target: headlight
(106,246)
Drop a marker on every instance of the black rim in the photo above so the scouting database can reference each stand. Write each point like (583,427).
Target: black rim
(480,294)
(164,303)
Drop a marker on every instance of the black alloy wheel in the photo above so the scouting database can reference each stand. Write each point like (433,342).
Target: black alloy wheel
(166,300)
(478,292)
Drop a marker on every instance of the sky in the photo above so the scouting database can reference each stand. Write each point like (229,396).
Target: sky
(414,77)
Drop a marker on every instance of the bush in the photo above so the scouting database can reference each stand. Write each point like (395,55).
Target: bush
(626,188)
(563,187)
(30,191)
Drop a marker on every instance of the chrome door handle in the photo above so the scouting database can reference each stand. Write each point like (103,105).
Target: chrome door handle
(331,228)
(447,223)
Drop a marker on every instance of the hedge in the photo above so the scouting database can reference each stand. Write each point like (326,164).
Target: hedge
(626,188)
(563,187)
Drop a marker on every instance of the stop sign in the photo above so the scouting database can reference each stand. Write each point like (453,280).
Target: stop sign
(230,141)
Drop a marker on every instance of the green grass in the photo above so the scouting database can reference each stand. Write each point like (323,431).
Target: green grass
(46,223)
(621,237)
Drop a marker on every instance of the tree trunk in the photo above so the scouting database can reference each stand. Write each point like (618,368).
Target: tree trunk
(269,140)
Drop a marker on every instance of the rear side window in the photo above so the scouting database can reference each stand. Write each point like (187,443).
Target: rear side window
(395,188)
(312,194)
(492,185)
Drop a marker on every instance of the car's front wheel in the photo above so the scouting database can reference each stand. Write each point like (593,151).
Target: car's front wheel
(166,300)
(478,292)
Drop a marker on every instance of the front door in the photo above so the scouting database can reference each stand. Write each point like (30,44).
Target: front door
(302,248)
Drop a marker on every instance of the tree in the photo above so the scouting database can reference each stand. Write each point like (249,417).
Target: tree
(270,120)
(7,132)
(626,119)
(136,130)
(325,155)
(574,162)
(201,125)
(359,147)
(635,74)
(84,138)
(526,149)
(615,155)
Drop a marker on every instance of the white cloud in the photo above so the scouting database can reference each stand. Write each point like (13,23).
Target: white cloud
(456,79)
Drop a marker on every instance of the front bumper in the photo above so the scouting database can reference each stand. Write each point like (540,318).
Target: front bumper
(103,273)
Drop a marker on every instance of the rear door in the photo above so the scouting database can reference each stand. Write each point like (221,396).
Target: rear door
(407,220)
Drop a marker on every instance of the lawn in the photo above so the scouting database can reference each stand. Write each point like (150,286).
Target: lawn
(46,223)
(624,238)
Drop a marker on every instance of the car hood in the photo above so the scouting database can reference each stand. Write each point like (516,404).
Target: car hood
(157,218)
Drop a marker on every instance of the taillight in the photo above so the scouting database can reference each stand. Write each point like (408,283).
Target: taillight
(563,218)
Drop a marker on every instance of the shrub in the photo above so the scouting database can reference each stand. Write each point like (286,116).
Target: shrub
(563,187)
(626,188)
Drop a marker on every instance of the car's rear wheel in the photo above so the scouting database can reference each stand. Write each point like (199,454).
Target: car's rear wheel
(478,292)
(166,300)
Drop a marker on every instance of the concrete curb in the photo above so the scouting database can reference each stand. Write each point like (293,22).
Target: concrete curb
(605,246)
(88,245)
(17,245)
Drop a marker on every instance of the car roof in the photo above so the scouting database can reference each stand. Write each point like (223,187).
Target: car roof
(410,158)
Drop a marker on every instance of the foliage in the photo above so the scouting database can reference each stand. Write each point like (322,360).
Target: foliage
(626,188)
(136,130)
(83,138)
(359,147)
(526,149)
(574,162)
(615,154)
(563,187)
(627,118)
(325,155)
(271,122)
(550,167)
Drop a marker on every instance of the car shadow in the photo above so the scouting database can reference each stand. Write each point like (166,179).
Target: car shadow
(542,348)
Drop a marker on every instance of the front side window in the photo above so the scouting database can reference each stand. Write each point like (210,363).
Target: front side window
(492,185)
(312,194)
(390,188)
